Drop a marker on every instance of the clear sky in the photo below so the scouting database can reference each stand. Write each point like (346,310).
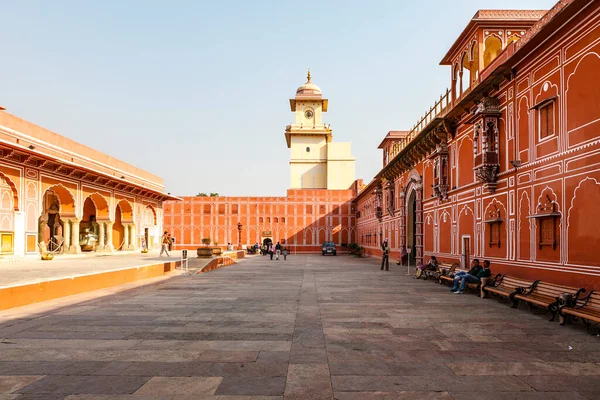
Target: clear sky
(197,91)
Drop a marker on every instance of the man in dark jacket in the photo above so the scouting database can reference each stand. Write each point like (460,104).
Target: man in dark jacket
(385,255)
(468,278)
(473,271)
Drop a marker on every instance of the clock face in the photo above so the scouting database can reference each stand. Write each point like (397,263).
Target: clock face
(308,114)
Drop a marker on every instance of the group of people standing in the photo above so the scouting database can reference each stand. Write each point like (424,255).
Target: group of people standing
(274,250)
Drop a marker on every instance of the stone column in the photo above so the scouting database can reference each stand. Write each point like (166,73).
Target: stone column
(75,248)
(132,237)
(402,208)
(109,237)
(101,239)
(67,235)
(125,239)
(19,234)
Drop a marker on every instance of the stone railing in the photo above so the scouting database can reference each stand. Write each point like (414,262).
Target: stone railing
(440,108)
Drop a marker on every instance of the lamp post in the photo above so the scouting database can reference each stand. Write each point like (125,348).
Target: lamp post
(239,236)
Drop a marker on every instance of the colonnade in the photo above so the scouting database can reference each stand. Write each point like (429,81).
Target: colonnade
(105,236)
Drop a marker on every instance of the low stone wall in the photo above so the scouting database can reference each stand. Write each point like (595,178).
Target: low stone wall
(218,262)
(22,295)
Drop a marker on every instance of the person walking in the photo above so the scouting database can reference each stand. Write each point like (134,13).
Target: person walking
(165,244)
(277,251)
(385,255)
(286,251)
(271,251)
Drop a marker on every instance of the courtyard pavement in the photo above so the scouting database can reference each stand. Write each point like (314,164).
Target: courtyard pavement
(310,327)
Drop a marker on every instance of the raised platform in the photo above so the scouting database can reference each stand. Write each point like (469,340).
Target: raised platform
(32,281)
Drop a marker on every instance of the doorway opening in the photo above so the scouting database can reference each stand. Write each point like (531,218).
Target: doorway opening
(466,252)
(411,227)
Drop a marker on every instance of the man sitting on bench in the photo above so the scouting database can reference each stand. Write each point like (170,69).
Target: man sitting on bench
(473,271)
(468,278)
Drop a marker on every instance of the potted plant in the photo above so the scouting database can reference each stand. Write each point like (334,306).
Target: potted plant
(352,248)
(216,250)
(47,256)
(359,251)
(205,252)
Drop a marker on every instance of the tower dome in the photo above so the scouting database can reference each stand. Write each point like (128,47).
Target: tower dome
(309,88)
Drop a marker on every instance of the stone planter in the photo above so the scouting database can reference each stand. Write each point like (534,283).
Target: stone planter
(216,251)
(204,252)
(47,256)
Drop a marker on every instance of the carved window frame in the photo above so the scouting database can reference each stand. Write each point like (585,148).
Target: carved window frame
(544,105)
(494,222)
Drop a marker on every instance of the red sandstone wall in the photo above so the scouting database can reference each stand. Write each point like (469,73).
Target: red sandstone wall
(303,220)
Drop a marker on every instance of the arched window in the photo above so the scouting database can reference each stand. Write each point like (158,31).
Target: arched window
(465,73)
(512,38)
(493,47)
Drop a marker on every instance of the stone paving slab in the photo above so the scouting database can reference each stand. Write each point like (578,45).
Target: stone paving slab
(311,327)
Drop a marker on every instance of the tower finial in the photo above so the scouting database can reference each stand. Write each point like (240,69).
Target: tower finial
(308,76)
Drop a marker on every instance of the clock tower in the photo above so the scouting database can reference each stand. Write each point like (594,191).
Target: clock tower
(315,161)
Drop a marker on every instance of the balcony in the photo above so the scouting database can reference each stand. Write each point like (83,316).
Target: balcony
(486,158)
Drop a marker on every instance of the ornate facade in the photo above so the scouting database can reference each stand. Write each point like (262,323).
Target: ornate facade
(506,165)
(60,196)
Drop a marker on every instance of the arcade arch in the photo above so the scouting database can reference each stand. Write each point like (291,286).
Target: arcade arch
(58,229)
(150,227)
(93,223)
(123,229)
(9,203)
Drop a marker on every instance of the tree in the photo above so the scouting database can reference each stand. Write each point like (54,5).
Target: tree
(214,195)
(202,195)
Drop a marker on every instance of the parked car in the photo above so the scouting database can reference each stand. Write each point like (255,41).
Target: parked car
(329,248)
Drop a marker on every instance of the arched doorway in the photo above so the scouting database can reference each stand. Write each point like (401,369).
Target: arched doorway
(411,226)
(150,228)
(9,203)
(123,226)
(93,223)
(58,231)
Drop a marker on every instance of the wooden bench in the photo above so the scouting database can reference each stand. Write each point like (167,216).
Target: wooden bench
(435,273)
(544,297)
(446,274)
(506,286)
(478,287)
(585,308)
(448,277)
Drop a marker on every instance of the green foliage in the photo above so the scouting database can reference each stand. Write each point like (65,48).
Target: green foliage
(356,249)
(214,195)
(206,241)
(202,194)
